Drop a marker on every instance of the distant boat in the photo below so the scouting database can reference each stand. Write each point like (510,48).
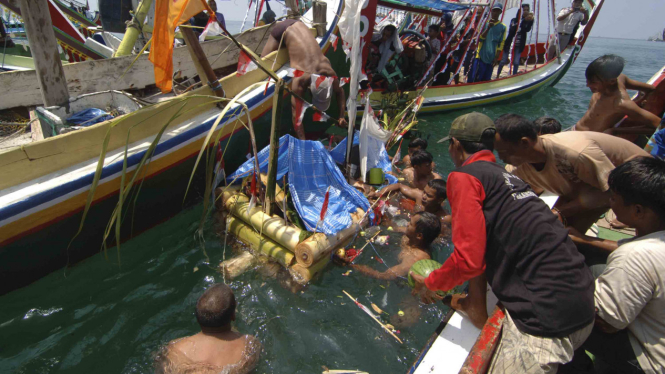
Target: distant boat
(657,37)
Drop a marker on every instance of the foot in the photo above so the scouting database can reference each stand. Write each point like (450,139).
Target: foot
(462,303)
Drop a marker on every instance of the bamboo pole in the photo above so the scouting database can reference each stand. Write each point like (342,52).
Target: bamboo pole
(133,29)
(274,146)
(201,62)
(259,244)
(319,9)
(303,275)
(320,245)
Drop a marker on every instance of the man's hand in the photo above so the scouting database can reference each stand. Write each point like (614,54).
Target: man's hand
(342,123)
(427,296)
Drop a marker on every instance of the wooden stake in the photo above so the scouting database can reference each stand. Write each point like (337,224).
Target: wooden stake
(274,146)
(320,9)
(44,49)
(206,74)
(293,8)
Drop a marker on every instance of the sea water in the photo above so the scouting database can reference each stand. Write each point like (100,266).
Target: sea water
(107,317)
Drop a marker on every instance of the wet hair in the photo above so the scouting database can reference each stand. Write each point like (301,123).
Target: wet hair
(513,127)
(418,143)
(216,306)
(486,143)
(605,67)
(547,125)
(641,181)
(421,157)
(429,226)
(390,28)
(434,27)
(439,186)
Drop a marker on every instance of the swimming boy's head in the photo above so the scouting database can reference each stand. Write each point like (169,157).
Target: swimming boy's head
(547,125)
(515,138)
(417,144)
(216,308)
(602,73)
(421,161)
(637,198)
(433,31)
(423,228)
(434,195)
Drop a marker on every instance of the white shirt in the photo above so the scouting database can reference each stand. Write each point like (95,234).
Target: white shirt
(631,293)
(568,24)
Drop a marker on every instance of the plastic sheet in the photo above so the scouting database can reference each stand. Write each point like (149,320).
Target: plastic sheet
(87,117)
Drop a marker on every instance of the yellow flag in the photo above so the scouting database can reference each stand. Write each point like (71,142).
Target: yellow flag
(169,14)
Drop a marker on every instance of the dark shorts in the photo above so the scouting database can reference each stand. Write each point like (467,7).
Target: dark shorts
(280,28)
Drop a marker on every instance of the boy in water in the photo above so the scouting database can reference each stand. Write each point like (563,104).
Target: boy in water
(420,172)
(547,125)
(420,233)
(416,144)
(610,103)
(216,348)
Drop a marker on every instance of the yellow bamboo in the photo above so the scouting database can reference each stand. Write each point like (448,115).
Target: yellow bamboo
(303,275)
(320,245)
(259,243)
(133,30)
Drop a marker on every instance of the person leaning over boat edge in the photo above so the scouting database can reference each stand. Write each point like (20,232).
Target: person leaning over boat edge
(491,42)
(305,55)
(630,292)
(504,233)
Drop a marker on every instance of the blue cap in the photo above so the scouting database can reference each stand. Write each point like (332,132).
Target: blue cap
(498,6)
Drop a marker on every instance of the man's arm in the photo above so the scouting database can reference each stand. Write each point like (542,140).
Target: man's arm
(585,241)
(631,84)
(586,16)
(502,41)
(394,272)
(466,196)
(341,103)
(564,13)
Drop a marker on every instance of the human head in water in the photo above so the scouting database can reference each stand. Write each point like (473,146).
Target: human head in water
(434,195)
(603,72)
(421,161)
(216,308)
(417,144)
(423,228)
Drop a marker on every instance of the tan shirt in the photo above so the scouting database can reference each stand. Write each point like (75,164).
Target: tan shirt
(631,293)
(577,161)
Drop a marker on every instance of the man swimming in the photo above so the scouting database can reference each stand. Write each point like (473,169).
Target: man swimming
(305,55)
(420,233)
(610,102)
(421,170)
(216,348)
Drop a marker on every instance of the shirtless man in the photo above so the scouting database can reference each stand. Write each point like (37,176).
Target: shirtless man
(420,172)
(216,348)
(305,55)
(420,233)
(610,102)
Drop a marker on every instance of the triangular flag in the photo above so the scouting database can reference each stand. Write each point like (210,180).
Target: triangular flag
(291,72)
(301,107)
(319,79)
(320,117)
(212,29)
(343,81)
(324,207)
(245,64)
(334,40)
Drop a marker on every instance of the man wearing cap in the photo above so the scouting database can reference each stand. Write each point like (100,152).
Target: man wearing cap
(317,73)
(491,42)
(503,233)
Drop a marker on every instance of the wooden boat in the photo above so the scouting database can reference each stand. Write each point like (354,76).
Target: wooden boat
(538,75)
(45,184)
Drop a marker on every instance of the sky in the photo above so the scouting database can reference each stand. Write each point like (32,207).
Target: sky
(628,19)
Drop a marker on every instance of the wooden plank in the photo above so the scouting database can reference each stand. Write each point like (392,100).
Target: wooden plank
(44,50)
(481,354)
(36,127)
(93,76)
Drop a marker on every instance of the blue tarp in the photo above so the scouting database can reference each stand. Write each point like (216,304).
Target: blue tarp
(431,4)
(339,154)
(87,117)
(310,171)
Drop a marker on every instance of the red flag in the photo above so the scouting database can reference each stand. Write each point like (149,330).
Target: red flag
(320,117)
(343,81)
(334,40)
(245,64)
(319,79)
(301,107)
(324,207)
(294,72)
(330,144)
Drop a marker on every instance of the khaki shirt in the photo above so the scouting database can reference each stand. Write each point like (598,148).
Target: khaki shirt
(577,162)
(631,294)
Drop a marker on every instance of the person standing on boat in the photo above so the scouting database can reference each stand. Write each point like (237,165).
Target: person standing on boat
(572,164)
(630,292)
(567,21)
(305,55)
(525,20)
(491,42)
(503,233)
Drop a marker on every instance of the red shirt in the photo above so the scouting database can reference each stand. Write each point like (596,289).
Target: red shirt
(469,233)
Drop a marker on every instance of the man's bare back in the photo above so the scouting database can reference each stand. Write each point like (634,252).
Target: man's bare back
(419,182)
(230,352)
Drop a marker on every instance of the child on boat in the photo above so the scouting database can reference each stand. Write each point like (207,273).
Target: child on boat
(610,103)
(506,235)
(420,233)
(630,292)
(216,348)
(421,170)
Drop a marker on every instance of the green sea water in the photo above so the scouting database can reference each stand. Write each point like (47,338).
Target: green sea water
(99,316)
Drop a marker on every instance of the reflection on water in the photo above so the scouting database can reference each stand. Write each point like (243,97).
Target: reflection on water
(99,317)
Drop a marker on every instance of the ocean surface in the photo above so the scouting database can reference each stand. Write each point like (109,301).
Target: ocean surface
(101,317)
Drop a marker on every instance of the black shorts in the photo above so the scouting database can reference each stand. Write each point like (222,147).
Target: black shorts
(280,28)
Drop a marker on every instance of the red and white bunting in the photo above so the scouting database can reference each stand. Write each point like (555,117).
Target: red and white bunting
(343,81)
(324,207)
(212,29)
(334,40)
(295,73)
(245,64)
(322,79)
(301,107)
(320,117)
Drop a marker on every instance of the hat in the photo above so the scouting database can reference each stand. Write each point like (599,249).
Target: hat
(498,6)
(321,95)
(469,127)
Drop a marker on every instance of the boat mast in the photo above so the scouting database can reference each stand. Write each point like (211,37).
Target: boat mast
(44,49)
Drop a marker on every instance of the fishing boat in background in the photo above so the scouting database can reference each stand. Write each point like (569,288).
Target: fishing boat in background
(658,37)
(536,73)
(149,151)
